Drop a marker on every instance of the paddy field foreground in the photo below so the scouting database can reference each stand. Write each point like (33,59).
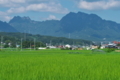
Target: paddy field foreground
(59,65)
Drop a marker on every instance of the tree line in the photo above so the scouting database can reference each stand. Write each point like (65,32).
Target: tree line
(10,39)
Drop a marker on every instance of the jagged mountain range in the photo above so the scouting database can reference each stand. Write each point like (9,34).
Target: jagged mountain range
(73,25)
(5,27)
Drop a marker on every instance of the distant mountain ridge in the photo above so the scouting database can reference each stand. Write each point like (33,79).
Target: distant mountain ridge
(25,24)
(73,25)
(5,27)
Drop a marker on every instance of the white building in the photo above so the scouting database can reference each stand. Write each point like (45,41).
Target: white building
(67,46)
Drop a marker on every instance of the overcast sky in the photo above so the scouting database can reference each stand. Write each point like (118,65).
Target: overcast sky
(40,10)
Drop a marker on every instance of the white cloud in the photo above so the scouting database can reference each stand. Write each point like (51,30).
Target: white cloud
(11,7)
(7,18)
(42,7)
(11,3)
(2,13)
(20,6)
(16,3)
(16,10)
(47,7)
(51,17)
(4,16)
(99,5)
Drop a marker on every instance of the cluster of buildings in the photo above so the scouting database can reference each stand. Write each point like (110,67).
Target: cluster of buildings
(114,44)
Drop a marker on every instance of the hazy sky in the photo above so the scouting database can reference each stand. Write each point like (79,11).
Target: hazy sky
(40,10)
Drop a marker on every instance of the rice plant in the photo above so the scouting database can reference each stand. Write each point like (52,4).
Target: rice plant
(58,65)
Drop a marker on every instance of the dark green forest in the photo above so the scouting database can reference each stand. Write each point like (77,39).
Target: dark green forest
(9,39)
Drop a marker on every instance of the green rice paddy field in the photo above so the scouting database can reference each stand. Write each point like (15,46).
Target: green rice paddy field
(59,65)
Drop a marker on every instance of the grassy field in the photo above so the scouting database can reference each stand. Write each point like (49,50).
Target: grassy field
(59,65)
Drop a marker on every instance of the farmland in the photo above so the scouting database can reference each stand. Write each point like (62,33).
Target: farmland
(59,65)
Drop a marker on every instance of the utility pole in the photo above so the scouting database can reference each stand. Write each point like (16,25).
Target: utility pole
(16,43)
(50,42)
(40,44)
(25,35)
(21,44)
(30,46)
(1,41)
(16,46)
(34,44)
(69,35)
(73,43)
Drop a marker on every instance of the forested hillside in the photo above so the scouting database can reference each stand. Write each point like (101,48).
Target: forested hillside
(27,39)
